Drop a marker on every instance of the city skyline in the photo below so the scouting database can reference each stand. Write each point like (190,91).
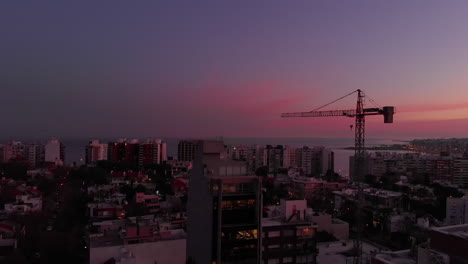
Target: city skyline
(212,68)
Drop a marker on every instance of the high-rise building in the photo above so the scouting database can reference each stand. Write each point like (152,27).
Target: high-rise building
(224,209)
(460,171)
(96,151)
(187,149)
(124,152)
(292,157)
(36,154)
(15,150)
(273,158)
(252,155)
(153,151)
(54,151)
(129,153)
(2,147)
(324,161)
(314,162)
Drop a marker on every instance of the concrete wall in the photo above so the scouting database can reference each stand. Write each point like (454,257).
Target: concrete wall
(323,221)
(340,229)
(161,252)
(336,227)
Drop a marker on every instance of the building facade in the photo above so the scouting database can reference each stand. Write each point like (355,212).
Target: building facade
(187,149)
(457,211)
(224,209)
(54,151)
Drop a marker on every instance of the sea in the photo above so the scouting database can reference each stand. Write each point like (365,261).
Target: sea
(75,148)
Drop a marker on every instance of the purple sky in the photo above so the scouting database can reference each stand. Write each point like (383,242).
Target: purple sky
(229,68)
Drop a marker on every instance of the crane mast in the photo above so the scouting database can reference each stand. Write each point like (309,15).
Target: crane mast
(359,151)
(359,113)
(359,133)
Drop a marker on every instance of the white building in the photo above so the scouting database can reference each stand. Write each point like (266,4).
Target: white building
(457,211)
(54,151)
(96,151)
(24,204)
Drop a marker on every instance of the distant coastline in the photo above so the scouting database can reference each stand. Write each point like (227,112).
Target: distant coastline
(395,147)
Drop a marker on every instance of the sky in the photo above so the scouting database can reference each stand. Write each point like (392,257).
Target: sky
(114,68)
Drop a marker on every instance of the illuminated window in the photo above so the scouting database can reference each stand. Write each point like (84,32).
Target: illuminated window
(247,234)
(306,232)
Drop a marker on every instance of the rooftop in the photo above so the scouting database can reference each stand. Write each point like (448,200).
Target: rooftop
(115,237)
(454,230)
(333,252)
(277,222)
(398,257)
(369,191)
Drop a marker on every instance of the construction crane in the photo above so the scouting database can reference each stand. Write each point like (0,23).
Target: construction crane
(359,151)
(359,114)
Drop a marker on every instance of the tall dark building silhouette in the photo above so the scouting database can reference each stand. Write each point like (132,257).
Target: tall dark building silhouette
(224,209)
(187,150)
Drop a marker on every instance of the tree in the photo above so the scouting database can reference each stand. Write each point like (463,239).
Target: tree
(331,176)
(161,175)
(324,236)
(140,189)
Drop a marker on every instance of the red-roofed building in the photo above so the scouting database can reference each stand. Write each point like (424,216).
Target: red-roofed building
(106,211)
(34,190)
(24,204)
(151,201)
(8,238)
(180,185)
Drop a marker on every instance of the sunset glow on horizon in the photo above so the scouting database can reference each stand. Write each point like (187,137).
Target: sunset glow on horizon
(216,68)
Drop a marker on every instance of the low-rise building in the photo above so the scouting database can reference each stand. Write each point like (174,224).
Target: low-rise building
(457,211)
(9,233)
(25,203)
(143,239)
(312,188)
(452,241)
(151,201)
(336,227)
(106,211)
(288,236)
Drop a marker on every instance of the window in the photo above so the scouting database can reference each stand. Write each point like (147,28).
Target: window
(274,234)
(229,188)
(288,246)
(306,232)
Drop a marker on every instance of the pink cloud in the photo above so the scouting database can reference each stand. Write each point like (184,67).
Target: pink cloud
(432,107)
(261,99)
